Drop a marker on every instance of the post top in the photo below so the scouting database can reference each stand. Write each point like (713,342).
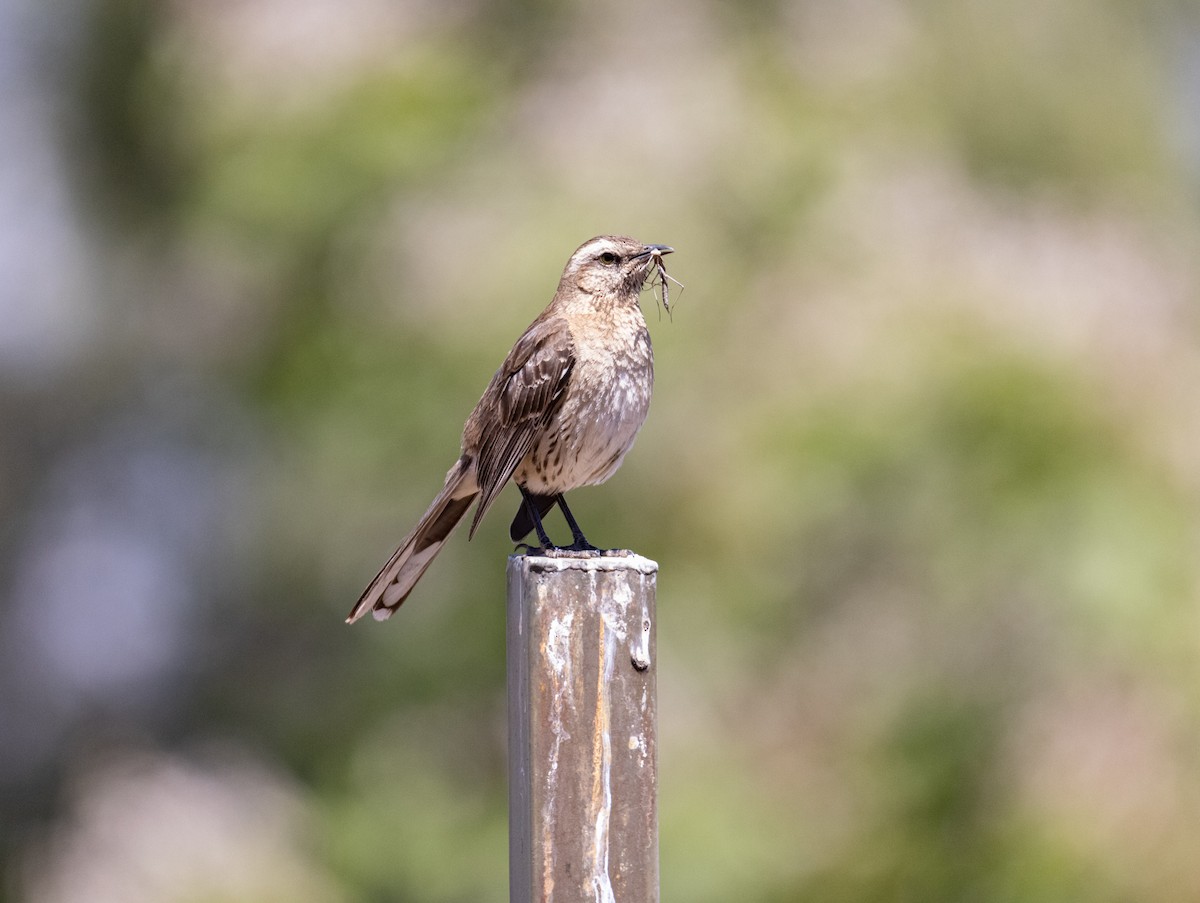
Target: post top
(563,560)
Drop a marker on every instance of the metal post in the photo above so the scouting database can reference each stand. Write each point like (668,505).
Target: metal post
(582,724)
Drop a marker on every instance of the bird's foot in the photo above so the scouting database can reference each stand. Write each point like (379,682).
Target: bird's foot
(570,551)
(581,548)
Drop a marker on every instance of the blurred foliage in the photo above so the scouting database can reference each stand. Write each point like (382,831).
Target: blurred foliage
(922,457)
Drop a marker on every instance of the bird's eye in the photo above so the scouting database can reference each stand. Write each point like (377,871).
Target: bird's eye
(608,258)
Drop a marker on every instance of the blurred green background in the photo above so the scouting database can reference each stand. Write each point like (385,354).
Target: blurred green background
(922,470)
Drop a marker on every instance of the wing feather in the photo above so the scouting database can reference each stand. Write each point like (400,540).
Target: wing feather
(518,403)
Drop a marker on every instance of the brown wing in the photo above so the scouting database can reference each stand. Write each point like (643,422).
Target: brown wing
(517,405)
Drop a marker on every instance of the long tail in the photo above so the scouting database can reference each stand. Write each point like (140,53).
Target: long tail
(396,580)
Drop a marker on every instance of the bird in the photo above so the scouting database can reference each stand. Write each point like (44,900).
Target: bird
(561,412)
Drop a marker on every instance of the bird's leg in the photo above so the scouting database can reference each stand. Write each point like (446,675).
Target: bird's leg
(580,543)
(531,507)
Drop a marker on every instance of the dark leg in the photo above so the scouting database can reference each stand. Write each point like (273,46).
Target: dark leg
(580,543)
(522,523)
(535,516)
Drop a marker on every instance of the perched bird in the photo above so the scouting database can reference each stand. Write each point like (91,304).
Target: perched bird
(561,412)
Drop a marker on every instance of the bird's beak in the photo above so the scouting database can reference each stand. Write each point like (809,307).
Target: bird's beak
(653,251)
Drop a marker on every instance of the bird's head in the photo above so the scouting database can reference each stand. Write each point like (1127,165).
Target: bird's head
(612,266)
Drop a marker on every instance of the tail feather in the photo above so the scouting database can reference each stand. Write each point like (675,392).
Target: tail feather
(522,523)
(397,578)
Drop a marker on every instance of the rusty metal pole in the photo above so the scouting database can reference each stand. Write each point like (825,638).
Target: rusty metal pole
(582,725)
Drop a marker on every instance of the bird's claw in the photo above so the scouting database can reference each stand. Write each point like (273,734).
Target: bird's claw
(569,552)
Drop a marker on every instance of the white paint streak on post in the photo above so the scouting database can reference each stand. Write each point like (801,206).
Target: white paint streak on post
(583,763)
